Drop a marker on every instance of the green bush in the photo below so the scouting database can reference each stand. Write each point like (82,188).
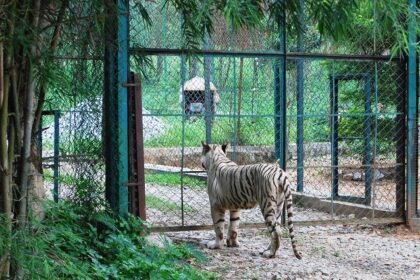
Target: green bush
(74,244)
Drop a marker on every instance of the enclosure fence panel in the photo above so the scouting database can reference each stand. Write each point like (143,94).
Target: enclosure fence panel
(333,113)
(339,109)
(340,116)
(351,121)
(73,163)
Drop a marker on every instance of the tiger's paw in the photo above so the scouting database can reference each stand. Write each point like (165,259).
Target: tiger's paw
(214,245)
(232,242)
(268,254)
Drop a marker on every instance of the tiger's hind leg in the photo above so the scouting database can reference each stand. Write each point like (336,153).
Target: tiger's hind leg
(218,215)
(273,227)
(232,238)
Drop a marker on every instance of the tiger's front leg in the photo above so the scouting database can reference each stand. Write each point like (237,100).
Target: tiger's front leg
(232,238)
(218,215)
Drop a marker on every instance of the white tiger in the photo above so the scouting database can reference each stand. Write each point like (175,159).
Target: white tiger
(233,187)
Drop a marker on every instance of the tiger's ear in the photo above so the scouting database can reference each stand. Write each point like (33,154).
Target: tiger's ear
(224,147)
(206,147)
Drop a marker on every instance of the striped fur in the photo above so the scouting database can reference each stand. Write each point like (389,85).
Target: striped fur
(233,187)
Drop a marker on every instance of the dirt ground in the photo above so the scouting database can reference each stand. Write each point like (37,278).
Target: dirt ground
(329,252)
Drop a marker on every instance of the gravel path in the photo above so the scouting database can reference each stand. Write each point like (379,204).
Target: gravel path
(332,252)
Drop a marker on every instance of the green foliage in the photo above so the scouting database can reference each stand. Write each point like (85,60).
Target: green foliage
(166,205)
(384,101)
(72,243)
(171,180)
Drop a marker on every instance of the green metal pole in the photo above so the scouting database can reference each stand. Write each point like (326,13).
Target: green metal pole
(56,152)
(280,131)
(280,101)
(183,59)
(300,103)
(115,106)
(123,36)
(208,103)
(412,137)
(283,96)
(367,161)
(234,95)
(400,137)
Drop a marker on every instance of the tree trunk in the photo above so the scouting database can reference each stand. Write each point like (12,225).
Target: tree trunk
(53,45)
(193,67)
(1,74)
(159,67)
(227,74)
(5,171)
(29,116)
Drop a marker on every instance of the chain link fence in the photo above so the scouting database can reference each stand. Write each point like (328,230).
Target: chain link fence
(350,170)
(74,167)
(345,119)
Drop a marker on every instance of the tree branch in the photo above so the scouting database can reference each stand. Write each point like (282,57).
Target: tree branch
(53,45)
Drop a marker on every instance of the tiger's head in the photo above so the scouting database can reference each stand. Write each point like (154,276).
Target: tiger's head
(209,152)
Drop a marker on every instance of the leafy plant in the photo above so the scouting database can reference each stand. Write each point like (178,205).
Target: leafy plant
(74,243)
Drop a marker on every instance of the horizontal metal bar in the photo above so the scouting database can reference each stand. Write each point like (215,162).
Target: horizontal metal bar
(194,171)
(80,111)
(131,84)
(66,57)
(272,54)
(389,114)
(376,221)
(68,156)
(348,198)
(350,77)
(344,166)
(48,113)
(296,167)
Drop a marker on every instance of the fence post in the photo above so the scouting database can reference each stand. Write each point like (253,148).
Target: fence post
(400,136)
(208,99)
(300,103)
(280,99)
(367,139)
(412,125)
(334,134)
(56,151)
(115,105)
(136,187)
(280,131)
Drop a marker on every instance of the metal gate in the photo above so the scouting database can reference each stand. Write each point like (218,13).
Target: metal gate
(335,121)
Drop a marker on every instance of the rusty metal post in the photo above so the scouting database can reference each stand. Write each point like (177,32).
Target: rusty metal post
(136,187)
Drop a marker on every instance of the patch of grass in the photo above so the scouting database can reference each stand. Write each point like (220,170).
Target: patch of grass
(48,175)
(336,254)
(165,205)
(170,179)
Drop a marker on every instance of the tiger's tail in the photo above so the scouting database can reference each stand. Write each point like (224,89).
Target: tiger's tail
(289,209)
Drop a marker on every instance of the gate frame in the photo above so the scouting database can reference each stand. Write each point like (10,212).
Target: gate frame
(117,53)
(412,217)
(367,153)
